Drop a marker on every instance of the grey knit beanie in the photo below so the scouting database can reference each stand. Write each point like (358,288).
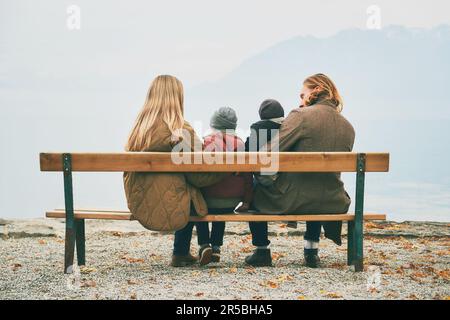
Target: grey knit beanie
(224,118)
(270,108)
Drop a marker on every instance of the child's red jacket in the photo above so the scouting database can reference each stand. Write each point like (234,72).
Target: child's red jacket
(234,188)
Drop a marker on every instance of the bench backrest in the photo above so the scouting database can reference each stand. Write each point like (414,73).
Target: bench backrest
(224,162)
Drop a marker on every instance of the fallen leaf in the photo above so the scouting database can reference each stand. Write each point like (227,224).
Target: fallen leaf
(247,249)
(233,270)
(373,290)
(42,241)
(85,270)
(301,298)
(250,270)
(132,281)
(337,265)
(444,274)
(333,295)
(269,284)
(117,234)
(199,294)
(88,284)
(16,266)
(392,295)
(276,256)
(134,260)
(419,274)
(443,253)
(133,296)
(213,272)
(285,277)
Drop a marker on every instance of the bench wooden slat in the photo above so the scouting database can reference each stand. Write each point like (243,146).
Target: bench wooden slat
(126,215)
(250,162)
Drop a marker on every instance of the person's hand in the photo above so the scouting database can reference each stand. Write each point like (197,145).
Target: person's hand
(243,207)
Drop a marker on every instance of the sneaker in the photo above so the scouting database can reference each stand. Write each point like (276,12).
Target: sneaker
(260,258)
(205,255)
(215,254)
(312,259)
(183,261)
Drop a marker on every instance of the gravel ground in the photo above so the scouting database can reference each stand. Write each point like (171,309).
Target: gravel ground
(403,261)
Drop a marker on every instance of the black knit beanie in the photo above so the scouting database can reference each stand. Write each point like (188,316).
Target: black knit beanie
(270,108)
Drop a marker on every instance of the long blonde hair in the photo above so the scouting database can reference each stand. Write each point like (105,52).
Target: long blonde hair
(164,101)
(324,88)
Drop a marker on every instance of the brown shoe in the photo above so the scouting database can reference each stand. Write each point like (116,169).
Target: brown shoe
(183,261)
(215,255)
(205,255)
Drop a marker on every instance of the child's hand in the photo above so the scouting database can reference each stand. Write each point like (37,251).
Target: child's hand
(243,207)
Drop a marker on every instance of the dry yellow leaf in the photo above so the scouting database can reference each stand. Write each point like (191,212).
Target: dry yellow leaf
(333,295)
(134,260)
(84,269)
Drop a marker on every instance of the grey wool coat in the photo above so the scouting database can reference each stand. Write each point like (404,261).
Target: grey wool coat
(316,128)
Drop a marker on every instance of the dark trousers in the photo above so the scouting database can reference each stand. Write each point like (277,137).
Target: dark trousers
(215,238)
(183,237)
(313,229)
(182,240)
(260,233)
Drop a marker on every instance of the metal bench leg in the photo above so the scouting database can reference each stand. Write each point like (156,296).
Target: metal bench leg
(359,208)
(80,241)
(69,249)
(350,242)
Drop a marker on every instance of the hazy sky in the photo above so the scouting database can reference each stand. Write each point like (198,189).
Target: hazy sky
(80,90)
(198,40)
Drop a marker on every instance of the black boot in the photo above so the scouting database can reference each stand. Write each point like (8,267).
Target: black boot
(260,258)
(311,258)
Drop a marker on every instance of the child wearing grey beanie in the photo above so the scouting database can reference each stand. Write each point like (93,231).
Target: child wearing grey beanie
(224,119)
(224,196)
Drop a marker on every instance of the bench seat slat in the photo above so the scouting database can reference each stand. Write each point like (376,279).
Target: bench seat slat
(126,215)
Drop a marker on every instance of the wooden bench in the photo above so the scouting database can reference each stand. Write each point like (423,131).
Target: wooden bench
(231,162)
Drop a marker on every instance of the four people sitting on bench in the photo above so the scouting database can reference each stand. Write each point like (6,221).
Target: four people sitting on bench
(164,201)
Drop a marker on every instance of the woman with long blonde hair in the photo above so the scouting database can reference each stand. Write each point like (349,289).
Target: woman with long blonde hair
(164,201)
(317,126)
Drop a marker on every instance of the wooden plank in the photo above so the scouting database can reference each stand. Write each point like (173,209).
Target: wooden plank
(125,215)
(221,162)
(103,215)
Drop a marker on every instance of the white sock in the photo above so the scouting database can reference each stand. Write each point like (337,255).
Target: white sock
(262,247)
(311,244)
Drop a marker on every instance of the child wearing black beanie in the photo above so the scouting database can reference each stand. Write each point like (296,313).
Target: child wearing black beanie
(271,114)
